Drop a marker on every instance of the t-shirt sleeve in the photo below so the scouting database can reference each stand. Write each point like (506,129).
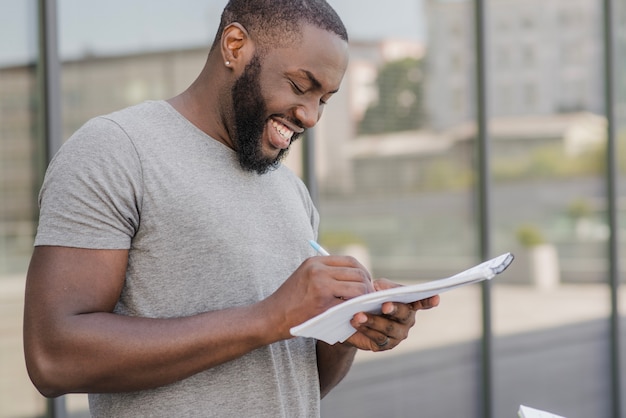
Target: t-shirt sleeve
(91,195)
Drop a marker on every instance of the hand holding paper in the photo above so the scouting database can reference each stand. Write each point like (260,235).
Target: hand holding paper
(333,325)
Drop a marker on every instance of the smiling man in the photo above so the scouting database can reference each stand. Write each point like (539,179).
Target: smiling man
(172,253)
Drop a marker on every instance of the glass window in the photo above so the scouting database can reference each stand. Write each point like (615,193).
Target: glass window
(396,176)
(620,96)
(154,51)
(550,309)
(21,165)
(398,196)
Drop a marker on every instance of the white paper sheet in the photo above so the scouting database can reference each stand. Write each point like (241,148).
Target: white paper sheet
(334,326)
(526,412)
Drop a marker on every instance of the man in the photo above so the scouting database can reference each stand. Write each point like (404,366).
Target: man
(172,254)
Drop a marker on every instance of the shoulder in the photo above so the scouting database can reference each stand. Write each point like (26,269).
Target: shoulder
(117,133)
(148,110)
(98,140)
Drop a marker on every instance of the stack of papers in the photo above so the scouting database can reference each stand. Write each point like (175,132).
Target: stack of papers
(334,326)
(526,412)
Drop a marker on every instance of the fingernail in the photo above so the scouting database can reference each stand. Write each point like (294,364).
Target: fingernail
(389,309)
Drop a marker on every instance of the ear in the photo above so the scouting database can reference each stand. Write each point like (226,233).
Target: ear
(236,45)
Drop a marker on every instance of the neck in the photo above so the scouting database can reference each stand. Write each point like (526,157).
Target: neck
(202,103)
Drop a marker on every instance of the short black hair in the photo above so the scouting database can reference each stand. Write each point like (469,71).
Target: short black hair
(273,23)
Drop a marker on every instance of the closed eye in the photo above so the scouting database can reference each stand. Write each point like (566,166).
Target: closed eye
(296,89)
(300,91)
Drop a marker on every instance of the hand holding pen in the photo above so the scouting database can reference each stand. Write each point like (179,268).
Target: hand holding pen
(318,248)
(385,331)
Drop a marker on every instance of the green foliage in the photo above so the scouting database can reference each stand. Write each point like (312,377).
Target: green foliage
(549,161)
(447,175)
(400,105)
(529,236)
(339,238)
(579,208)
(621,146)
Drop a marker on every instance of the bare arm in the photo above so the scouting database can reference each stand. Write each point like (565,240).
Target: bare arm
(333,364)
(74,343)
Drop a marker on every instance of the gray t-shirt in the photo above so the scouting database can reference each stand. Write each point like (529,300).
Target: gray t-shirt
(202,235)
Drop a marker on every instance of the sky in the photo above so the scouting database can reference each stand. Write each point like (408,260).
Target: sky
(125,26)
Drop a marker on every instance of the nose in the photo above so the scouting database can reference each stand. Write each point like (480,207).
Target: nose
(308,114)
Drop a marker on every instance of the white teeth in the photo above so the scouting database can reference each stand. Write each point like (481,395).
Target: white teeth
(282,130)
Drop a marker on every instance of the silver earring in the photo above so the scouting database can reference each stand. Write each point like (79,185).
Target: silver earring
(227,63)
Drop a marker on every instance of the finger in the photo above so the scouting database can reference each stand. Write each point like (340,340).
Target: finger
(342,261)
(340,282)
(376,340)
(350,274)
(427,303)
(401,312)
(431,302)
(379,327)
(342,269)
(349,289)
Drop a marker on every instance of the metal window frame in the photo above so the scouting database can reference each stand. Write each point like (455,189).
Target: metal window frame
(484,204)
(50,65)
(483,191)
(612,175)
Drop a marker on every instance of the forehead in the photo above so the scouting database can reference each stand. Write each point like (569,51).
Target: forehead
(319,52)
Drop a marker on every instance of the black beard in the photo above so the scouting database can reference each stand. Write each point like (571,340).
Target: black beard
(250,121)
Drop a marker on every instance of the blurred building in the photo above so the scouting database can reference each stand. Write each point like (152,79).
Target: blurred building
(410,199)
(387,164)
(336,131)
(90,86)
(544,58)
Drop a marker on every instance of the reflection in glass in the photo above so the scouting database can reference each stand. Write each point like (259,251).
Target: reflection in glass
(620,111)
(396,182)
(395,160)
(21,165)
(548,141)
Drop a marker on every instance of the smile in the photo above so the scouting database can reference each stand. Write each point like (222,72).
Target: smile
(282,129)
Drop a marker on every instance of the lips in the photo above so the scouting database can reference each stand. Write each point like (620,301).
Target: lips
(279,135)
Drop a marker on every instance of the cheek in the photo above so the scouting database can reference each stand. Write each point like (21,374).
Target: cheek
(274,103)
(276,97)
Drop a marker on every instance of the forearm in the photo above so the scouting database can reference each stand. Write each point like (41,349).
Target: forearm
(73,343)
(333,363)
(105,352)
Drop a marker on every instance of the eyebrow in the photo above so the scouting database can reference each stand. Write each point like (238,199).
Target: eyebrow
(313,80)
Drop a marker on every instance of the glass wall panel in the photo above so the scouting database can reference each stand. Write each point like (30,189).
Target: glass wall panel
(548,141)
(620,76)
(396,182)
(148,58)
(20,168)
(112,60)
(394,158)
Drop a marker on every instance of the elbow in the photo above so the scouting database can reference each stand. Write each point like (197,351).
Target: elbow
(49,391)
(44,380)
(45,373)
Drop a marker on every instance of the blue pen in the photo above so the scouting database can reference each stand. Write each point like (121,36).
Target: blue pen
(318,247)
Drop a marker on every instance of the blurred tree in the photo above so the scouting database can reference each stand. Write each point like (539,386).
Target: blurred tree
(400,104)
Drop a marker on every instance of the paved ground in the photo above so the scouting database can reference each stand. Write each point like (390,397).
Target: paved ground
(551,353)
